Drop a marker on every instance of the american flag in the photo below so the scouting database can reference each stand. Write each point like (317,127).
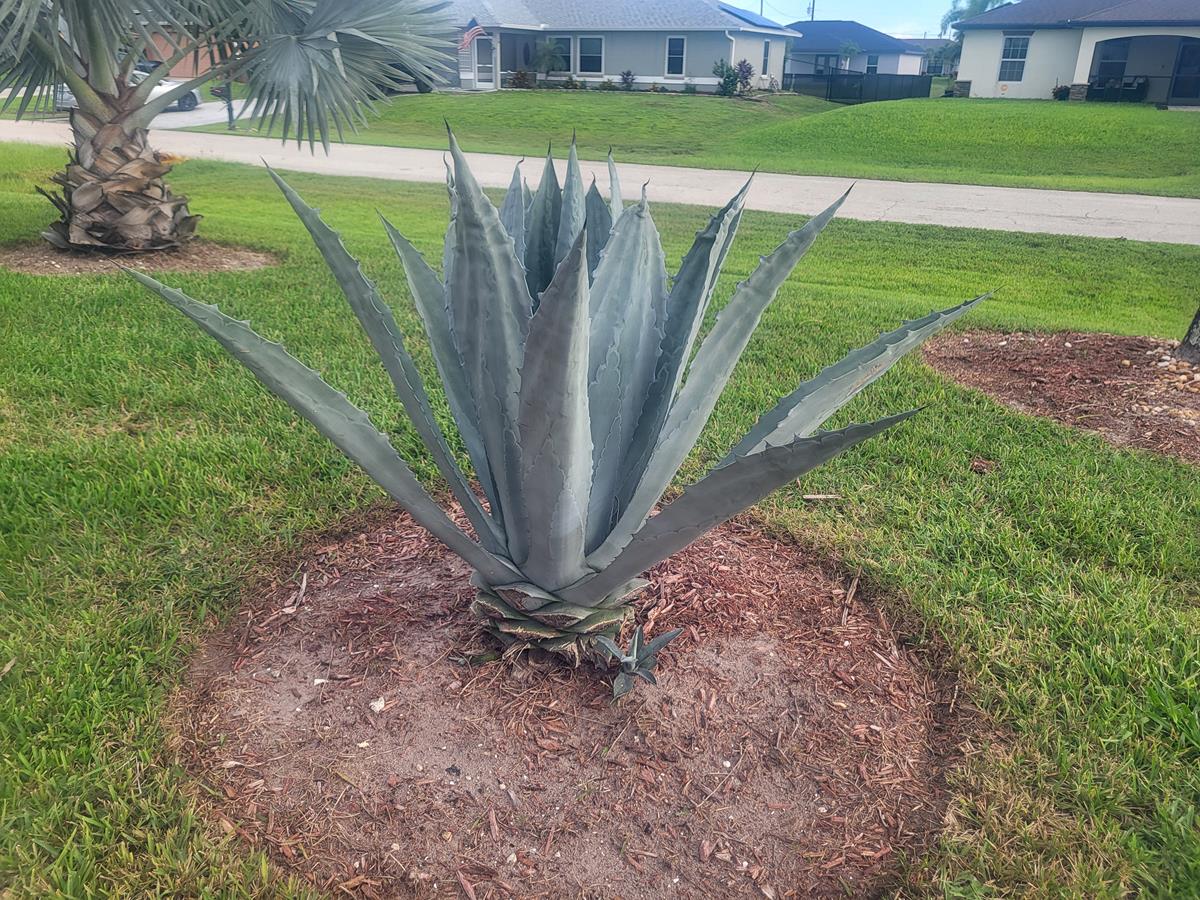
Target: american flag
(474,30)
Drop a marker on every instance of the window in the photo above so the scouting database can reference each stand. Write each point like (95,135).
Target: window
(1012,59)
(823,65)
(591,55)
(766,66)
(563,46)
(872,64)
(676,50)
(1113,56)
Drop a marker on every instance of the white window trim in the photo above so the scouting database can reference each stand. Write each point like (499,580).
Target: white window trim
(603,53)
(1004,36)
(570,39)
(867,64)
(667,56)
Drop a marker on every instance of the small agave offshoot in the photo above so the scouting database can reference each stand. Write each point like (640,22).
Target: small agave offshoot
(566,355)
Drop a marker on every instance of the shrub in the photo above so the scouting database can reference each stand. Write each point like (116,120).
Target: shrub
(745,76)
(689,87)
(628,80)
(563,350)
(522,80)
(607,85)
(1061,92)
(727,78)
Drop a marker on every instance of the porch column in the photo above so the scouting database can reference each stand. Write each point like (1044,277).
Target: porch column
(1083,64)
(1087,52)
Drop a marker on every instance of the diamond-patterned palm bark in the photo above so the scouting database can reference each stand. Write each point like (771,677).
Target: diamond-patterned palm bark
(113,194)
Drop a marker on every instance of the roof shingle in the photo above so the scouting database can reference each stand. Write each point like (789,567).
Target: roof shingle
(832,35)
(1084,13)
(570,15)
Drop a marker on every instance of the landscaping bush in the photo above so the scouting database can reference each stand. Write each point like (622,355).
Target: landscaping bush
(727,78)
(628,79)
(607,85)
(573,405)
(689,87)
(522,80)
(1061,92)
(745,76)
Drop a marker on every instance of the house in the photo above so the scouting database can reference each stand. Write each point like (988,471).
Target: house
(821,47)
(668,43)
(940,55)
(1135,50)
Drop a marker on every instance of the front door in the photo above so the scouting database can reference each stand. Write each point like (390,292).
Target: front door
(1185,88)
(485,64)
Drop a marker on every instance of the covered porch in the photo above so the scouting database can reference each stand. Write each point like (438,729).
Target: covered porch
(1141,67)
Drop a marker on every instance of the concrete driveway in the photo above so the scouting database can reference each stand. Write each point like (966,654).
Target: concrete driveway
(1132,216)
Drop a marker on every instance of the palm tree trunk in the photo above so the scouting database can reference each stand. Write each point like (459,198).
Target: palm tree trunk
(113,195)
(1189,347)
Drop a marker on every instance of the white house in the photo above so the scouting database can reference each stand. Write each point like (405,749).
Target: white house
(665,43)
(1129,50)
(820,47)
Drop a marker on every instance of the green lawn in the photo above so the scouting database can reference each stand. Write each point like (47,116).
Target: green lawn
(144,477)
(1029,143)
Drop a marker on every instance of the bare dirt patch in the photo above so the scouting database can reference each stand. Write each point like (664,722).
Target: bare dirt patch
(39,258)
(794,747)
(1130,390)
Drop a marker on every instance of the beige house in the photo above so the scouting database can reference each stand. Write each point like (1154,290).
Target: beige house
(1098,50)
(666,43)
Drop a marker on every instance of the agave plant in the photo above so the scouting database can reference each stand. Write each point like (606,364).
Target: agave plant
(566,357)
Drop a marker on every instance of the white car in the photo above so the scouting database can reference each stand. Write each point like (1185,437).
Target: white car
(64,99)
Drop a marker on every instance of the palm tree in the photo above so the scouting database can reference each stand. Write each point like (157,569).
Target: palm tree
(311,65)
(1189,347)
(965,9)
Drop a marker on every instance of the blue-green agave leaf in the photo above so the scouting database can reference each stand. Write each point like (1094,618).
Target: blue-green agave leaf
(804,410)
(708,374)
(334,416)
(599,227)
(635,643)
(489,309)
(720,495)
(380,326)
(687,303)
(622,685)
(512,212)
(429,296)
(554,431)
(616,204)
(628,308)
(541,230)
(611,648)
(650,651)
(573,213)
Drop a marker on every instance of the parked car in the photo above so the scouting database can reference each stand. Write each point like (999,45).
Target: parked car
(64,99)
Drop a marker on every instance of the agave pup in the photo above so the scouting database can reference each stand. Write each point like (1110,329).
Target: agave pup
(565,352)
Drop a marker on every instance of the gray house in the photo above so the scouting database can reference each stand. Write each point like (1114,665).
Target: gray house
(669,43)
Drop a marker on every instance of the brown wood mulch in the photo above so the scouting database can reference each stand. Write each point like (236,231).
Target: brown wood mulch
(1130,390)
(39,258)
(795,747)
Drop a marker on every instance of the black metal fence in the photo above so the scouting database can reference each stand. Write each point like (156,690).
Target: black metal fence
(858,87)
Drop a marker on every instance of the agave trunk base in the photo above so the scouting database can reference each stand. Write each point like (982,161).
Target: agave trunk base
(113,196)
(522,616)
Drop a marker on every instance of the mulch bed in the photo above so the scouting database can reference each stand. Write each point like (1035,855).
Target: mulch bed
(794,747)
(40,258)
(1130,390)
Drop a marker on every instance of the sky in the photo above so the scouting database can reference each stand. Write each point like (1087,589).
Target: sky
(902,18)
